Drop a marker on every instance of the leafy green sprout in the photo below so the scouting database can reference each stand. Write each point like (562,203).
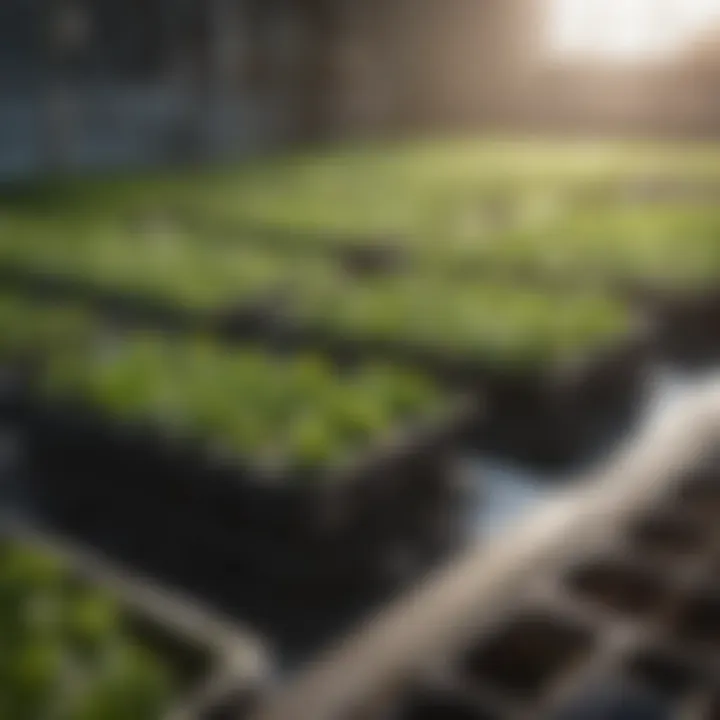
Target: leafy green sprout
(299,412)
(66,651)
(498,203)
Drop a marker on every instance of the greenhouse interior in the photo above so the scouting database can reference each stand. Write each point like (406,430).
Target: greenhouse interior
(359,359)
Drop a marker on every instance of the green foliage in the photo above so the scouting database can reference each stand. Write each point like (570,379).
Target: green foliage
(494,324)
(164,264)
(294,413)
(35,328)
(65,650)
(583,213)
(562,207)
(298,412)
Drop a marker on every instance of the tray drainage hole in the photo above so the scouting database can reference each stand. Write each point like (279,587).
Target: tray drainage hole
(665,675)
(527,656)
(667,538)
(442,706)
(698,619)
(618,587)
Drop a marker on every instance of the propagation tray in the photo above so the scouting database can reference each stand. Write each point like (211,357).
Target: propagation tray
(607,601)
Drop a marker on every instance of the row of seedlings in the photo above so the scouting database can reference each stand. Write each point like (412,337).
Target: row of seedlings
(554,374)
(500,341)
(648,238)
(83,642)
(303,478)
(638,221)
(621,231)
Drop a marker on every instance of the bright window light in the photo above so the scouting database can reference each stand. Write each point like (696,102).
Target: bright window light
(628,29)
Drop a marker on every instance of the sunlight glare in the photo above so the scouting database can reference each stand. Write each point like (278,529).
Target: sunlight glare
(628,29)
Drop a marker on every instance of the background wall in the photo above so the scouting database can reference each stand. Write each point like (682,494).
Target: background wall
(105,83)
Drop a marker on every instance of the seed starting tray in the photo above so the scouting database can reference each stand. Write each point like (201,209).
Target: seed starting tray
(222,668)
(606,606)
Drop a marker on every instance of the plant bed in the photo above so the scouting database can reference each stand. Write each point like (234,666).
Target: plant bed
(164,275)
(397,494)
(291,536)
(553,372)
(569,414)
(527,405)
(270,605)
(267,578)
(502,345)
(31,330)
(628,213)
(324,512)
(253,573)
(250,318)
(564,232)
(548,415)
(82,642)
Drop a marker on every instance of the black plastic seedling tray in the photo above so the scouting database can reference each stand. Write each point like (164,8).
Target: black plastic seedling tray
(549,416)
(565,415)
(531,414)
(311,535)
(220,670)
(686,322)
